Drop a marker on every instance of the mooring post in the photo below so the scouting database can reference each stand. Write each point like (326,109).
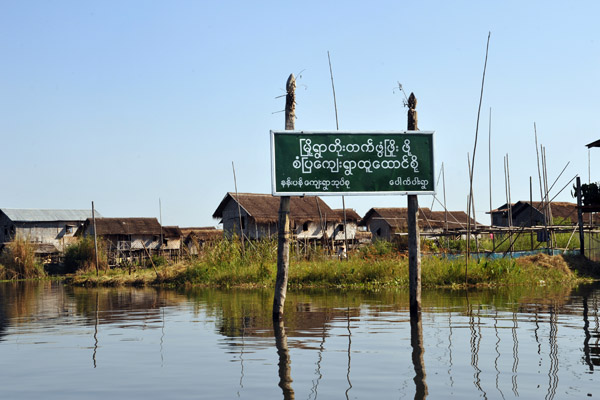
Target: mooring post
(414,245)
(580,218)
(283,237)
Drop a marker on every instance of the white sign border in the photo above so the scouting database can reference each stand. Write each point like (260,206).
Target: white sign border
(274,192)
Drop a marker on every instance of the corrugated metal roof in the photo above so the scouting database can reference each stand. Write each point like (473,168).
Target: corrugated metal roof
(32,215)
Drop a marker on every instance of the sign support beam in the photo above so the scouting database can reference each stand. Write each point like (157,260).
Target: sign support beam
(414,244)
(283,236)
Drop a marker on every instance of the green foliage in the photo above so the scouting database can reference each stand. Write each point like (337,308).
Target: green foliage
(561,221)
(157,260)
(80,256)
(379,248)
(456,245)
(17,261)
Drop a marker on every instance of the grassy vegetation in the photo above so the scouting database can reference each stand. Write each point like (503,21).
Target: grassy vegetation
(17,261)
(80,256)
(520,242)
(224,264)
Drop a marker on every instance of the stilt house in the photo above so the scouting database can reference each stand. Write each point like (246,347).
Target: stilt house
(529,214)
(258,216)
(385,223)
(51,230)
(134,238)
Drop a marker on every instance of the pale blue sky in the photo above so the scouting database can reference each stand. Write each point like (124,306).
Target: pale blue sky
(126,102)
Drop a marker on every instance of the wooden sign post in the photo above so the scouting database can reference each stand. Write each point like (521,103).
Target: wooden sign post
(350,163)
(414,243)
(283,236)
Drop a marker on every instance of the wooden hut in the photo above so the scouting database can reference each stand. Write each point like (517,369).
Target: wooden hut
(384,223)
(134,238)
(528,214)
(195,238)
(258,214)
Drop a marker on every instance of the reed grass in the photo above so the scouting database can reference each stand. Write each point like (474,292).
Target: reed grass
(18,261)
(224,265)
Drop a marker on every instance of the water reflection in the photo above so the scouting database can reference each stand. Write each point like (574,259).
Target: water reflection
(485,341)
(96,329)
(349,355)
(515,366)
(553,344)
(416,342)
(314,391)
(475,329)
(497,349)
(285,372)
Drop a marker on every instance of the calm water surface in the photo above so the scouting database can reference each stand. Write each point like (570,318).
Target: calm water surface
(59,342)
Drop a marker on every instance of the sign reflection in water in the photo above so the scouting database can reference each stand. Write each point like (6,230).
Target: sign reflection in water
(57,341)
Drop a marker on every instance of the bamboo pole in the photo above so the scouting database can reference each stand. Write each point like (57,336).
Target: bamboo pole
(445,209)
(580,218)
(507,201)
(474,152)
(337,128)
(537,153)
(510,218)
(283,238)
(149,257)
(237,200)
(472,197)
(414,244)
(95,239)
(490,165)
(161,226)
(531,210)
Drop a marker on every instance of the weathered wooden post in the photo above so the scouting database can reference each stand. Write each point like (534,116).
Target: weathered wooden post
(414,245)
(283,239)
(580,218)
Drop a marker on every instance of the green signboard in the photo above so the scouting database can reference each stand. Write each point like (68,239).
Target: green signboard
(351,163)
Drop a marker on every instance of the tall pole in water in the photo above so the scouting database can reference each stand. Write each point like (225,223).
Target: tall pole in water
(414,245)
(283,238)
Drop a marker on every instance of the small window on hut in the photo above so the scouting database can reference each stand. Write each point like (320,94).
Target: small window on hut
(305,226)
(340,227)
(378,232)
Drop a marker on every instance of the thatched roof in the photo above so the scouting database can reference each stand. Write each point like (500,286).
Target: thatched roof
(203,234)
(351,214)
(264,208)
(171,232)
(560,209)
(130,226)
(125,226)
(397,218)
